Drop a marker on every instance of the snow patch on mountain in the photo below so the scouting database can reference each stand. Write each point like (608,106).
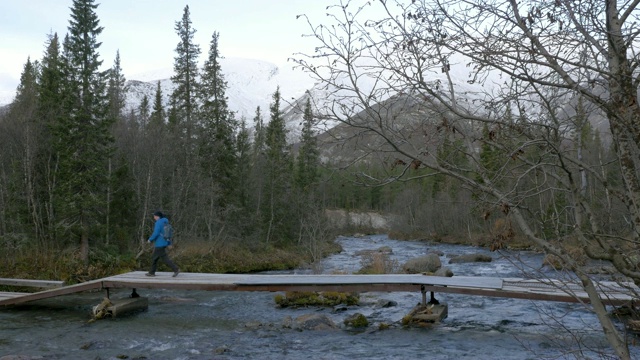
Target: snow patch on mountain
(6,97)
(250,83)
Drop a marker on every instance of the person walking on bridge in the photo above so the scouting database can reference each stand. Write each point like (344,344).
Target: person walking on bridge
(160,249)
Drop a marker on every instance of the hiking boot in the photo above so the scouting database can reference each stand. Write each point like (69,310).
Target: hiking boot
(176,273)
(150,274)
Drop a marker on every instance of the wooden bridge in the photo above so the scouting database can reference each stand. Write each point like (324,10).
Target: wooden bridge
(612,293)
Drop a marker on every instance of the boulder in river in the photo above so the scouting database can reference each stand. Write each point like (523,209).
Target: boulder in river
(429,263)
(313,322)
(444,272)
(469,258)
(356,320)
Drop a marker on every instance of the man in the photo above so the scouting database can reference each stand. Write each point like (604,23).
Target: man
(160,250)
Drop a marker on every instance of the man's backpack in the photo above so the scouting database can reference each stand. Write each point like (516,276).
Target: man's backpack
(168,232)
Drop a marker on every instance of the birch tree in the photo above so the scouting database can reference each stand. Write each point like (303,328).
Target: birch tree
(510,82)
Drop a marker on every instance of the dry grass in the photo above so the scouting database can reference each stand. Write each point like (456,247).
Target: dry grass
(378,263)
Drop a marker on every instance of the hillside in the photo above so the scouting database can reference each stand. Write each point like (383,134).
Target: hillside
(251,83)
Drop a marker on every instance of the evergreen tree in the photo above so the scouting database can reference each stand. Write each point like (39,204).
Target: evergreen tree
(257,162)
(143,111)
(158,113)
(84,144)
(51,107)
(217,151)
(22,150)
(185,69)
(243,170)
(50,82)
(259,136)
(25,103)
(117,90)
(308,154)
(277,218)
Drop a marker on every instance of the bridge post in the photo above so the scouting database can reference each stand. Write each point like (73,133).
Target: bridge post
(432,299)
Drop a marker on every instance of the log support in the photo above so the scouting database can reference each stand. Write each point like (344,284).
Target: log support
(432,300)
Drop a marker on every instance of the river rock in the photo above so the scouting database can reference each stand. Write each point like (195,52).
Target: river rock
(444,272)
(356,320)
(222,350)
(380,250)
(468,258)
(313,322)
(20,357)
(384,303)
(428,263)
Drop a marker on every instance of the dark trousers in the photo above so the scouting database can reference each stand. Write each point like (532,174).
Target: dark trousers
(161,253)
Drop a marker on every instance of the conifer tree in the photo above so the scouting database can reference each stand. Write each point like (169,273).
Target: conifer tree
(308,155)
(158,114)
(185,69)
(258,163)
(217,151)
(117,90)
(278,175)
(143,111)
(243,172)
(84,144)
(259,136)
(51,101)
(22,149)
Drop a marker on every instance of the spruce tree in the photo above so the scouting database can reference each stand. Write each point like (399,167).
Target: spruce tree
(185,69)
(117,90)
(51,107)
(217,153)
(143,111)
(308,155)
(84,144)
(258,164)
(243,172)
(158,114)
(277,218)
(22,149)
(259,136)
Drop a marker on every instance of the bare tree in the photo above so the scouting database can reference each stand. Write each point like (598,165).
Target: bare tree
(509,89)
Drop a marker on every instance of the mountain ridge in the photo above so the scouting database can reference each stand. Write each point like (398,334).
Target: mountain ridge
(250,83)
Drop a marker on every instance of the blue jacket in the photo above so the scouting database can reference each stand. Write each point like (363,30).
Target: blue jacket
(158,233)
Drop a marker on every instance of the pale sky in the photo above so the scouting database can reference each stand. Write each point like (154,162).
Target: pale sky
(143,31)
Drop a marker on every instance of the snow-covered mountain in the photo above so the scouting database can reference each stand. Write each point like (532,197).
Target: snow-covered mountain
(6,97)
(251,83)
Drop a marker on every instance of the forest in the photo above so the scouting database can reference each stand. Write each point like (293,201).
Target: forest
(537,147)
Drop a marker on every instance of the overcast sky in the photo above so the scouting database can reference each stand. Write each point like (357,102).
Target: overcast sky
(143,31)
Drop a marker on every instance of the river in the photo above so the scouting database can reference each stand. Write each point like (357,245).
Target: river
(248,325)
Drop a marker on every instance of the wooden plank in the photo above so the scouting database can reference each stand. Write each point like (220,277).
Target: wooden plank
(11,295)
(555,290)
(407,279)
(90,285)
(123,306)
(31,283)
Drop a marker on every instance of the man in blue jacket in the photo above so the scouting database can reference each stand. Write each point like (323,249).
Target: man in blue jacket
(160,250)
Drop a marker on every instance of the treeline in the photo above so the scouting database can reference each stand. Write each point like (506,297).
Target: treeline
(81,173)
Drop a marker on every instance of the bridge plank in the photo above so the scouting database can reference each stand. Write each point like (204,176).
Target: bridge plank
(415,279)
(555,290)
(11,295)
(31,283)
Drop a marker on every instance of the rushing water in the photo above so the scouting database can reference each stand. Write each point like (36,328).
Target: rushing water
(247,325)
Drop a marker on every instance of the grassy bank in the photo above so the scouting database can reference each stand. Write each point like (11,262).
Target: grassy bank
(190,257)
